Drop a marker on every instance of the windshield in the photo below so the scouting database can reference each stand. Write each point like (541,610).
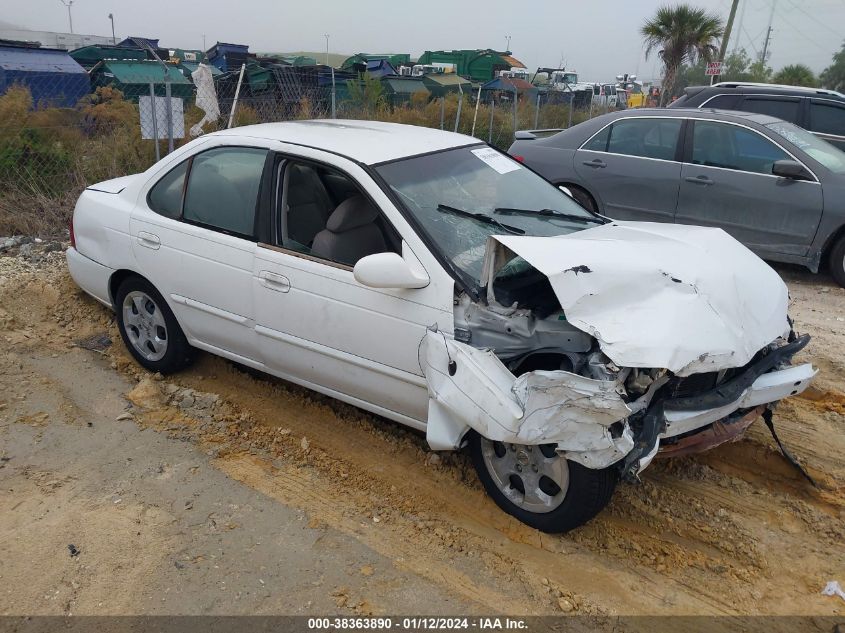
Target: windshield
(462,196)
(818,149)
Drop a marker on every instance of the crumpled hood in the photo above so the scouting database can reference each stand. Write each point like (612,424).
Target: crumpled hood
(686,298)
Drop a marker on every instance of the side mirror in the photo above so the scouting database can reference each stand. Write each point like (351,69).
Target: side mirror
(790,169)
(388,270)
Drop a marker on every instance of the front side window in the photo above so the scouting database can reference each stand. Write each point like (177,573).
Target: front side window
(460,197)
(166,195)
(831,157)
(786,109)
(222,191)
(733,147)
(325,215)
(648,137)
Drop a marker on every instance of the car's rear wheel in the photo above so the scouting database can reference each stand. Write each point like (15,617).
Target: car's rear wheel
(836,261)
(149,329)
(540,487)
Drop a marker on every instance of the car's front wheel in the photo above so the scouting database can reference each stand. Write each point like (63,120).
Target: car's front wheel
(149,329)
(540,487)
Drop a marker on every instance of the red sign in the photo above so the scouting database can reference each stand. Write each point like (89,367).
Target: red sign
(713,68)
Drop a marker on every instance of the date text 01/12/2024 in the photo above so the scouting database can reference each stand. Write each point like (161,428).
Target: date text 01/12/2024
(416,623)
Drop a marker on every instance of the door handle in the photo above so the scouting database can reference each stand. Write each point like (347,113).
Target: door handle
(700,180)
(149,240)
(274,281)
(595,163)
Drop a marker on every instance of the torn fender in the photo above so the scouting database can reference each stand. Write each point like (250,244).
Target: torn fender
(470,388)
(684,298)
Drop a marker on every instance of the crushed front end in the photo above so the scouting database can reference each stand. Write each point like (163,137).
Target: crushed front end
(614,344)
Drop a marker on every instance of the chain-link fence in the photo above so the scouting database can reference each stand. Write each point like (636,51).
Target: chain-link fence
(59,134)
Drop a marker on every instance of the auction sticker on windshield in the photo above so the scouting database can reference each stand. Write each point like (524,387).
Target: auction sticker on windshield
(497,161)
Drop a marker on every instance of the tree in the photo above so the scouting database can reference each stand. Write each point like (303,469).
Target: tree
(366,93)
(833,77)
(759,72)
(681,35)
(736,67)
(796,75)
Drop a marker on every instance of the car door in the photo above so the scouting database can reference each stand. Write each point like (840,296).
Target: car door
(827,120)
(317,325)
(727,182)
(193,237)
(632,167)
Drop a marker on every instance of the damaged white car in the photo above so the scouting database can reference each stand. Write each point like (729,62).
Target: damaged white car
(430,279)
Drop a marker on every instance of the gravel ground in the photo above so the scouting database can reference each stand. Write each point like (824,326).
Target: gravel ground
(220,491)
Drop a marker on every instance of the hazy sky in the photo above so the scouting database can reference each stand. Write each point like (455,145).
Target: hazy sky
(599,39)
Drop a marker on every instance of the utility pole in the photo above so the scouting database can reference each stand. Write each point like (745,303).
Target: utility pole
(768,35)
(727,35)
(327,48)
(68,4)
(766,46)
(739,30)
(113,38)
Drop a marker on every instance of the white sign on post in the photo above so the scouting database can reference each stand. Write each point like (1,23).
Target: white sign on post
(713,68)
(177,115)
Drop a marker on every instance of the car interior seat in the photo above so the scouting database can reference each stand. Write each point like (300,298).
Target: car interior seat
(308,204)
(351,233)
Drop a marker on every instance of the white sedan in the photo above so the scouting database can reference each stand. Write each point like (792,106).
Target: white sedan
(428,278)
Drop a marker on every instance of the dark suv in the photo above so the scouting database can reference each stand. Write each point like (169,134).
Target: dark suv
(820,111)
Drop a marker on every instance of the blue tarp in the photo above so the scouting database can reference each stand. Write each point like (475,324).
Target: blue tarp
(51,75)
(227,56)
(380,68)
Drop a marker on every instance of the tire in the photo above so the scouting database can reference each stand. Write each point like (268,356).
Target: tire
(836,261)
(583,198)
(586,491)
(149,329)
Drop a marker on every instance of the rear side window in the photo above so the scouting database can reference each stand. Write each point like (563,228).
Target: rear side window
(166,195)
(721,102)
(786,109)
(599,142)
(827,118)
(648,137)
(222,190)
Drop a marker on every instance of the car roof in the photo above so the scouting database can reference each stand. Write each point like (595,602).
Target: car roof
(754,87)
(697,113)
(368,142)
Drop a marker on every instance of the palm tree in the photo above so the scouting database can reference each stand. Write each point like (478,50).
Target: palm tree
(796,75)
(681,35)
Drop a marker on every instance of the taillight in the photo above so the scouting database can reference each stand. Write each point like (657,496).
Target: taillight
(518,158)
(72,236)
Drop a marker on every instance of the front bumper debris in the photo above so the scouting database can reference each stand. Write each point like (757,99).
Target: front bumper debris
(588,419)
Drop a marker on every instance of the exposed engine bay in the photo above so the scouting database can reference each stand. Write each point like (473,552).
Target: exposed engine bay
(541,359)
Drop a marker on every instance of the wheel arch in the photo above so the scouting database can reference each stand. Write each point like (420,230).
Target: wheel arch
(577,185)
(830,243)
(122,274)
